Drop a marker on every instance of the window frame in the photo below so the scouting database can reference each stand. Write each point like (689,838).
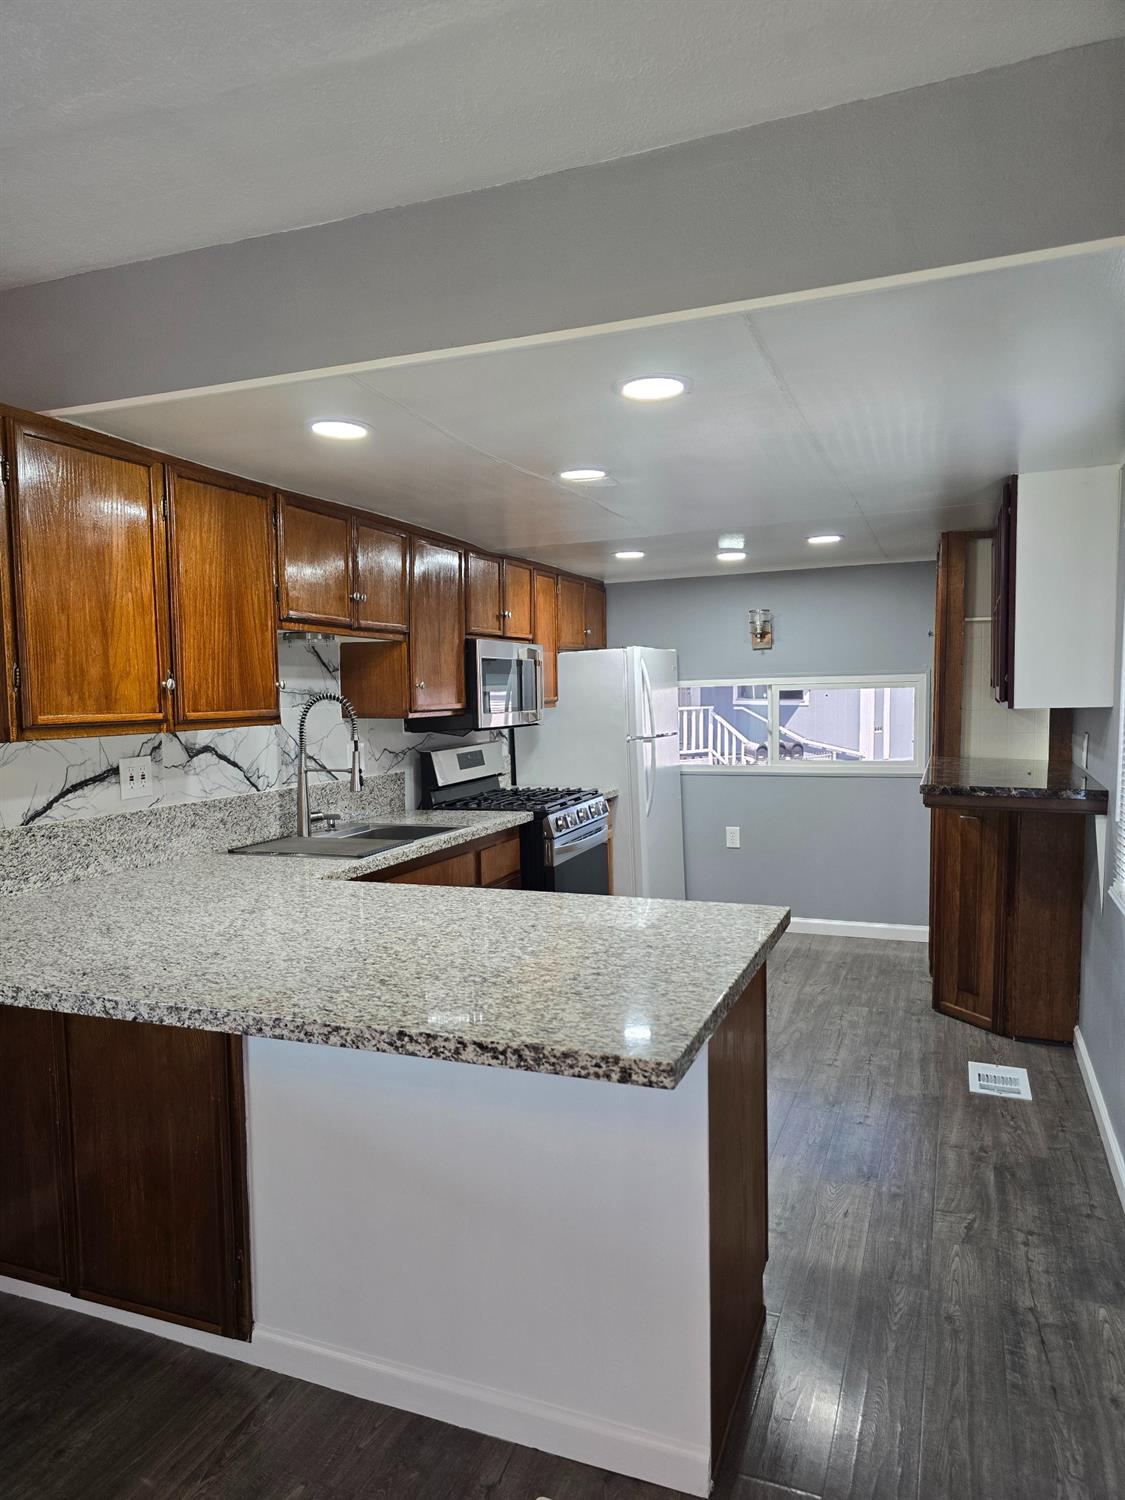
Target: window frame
(919,681)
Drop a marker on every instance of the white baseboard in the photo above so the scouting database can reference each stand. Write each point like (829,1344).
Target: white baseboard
(501,1414)
(899,932)
(1113,1151)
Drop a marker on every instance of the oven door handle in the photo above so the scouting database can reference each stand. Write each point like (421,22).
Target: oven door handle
(560,854)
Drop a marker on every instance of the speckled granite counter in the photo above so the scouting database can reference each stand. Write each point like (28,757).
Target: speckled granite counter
(950,778)
(584,986)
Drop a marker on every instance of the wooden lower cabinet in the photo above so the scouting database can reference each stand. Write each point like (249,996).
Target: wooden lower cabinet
(492,860)
(1006,914)
(123,1178)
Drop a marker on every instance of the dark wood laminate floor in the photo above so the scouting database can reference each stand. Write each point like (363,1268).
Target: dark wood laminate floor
(945,1294)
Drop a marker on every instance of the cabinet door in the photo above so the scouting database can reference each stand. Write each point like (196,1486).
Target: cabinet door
(970,900)
(380,577)
(594,617)
(461,869)
(31,1172)
(223,609)
(518,601)
(314,565)
(90,582)
(546,632)
(156,1126)
(437,628)
(572,615)
(483,614)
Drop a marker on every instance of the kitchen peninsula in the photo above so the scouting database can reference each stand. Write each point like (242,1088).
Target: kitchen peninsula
(563,1247)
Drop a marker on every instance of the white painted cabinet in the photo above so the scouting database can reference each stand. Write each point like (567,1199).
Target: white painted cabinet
(1064,637)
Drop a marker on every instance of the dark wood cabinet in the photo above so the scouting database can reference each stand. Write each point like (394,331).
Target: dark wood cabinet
(141,593)
(594,611)
(518,603)
(437,628)
(1007,919)
(224,632)
(483,607)
(571,614)
(581,615)
(380,578)
(547,631)
(314,563)
(32,1239)
(90,599)
(1004,593)
(491,860)
(123,1175)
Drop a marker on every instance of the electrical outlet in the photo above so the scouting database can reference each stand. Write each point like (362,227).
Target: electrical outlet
(734,838)
(137,779)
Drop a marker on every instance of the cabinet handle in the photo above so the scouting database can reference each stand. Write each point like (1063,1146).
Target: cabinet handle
(419,684)
(587,632)
(358,598)
(280,685)
(507,614)
(169,684)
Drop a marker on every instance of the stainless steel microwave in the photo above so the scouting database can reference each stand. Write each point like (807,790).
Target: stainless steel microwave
(503,689)
(504,681)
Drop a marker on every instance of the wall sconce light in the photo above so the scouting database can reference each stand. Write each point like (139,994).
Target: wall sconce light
(761,629)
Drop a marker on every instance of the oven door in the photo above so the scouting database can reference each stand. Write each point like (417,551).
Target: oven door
(507,678)
(579,862)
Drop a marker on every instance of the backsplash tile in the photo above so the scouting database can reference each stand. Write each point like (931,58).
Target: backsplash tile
(62,781)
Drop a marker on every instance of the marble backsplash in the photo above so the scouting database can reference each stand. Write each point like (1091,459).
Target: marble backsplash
(55,781)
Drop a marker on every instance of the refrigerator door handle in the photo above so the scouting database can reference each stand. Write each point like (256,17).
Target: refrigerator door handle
(648,739)
(650,774)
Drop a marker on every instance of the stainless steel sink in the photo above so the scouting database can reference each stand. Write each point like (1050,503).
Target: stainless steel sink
(347,840)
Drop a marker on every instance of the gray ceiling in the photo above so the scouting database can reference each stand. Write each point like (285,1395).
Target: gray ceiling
(130,130)
(888,415)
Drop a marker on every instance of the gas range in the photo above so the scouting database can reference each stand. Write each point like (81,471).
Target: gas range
(564,848)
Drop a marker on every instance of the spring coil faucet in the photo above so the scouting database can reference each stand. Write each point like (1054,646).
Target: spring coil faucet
(304,821)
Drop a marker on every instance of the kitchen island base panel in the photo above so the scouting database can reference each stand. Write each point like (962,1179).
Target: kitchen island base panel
(564,1263)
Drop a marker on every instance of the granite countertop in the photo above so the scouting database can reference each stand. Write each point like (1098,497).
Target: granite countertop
(956,776)
(605,987)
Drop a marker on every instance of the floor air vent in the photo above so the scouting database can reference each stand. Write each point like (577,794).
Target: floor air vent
(1005,1083)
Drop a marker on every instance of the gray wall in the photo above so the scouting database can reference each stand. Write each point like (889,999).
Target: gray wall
(1011,160)
(1102,1011)
(851,848)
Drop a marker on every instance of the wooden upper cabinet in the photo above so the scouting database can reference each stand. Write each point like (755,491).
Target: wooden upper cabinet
(437,628)
(546,631)
(224,622)
(572,614)
(594,611)
(483,607)
(314,563)
(518,603)
(379,578)
(90,589)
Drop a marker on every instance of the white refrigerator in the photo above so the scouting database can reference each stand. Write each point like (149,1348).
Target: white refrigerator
(616,727)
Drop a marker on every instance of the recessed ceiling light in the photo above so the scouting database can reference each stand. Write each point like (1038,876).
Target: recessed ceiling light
(826,540)
(730,556)
(334,429)
(652,387)
(732,541)
(628,556)
(581,476)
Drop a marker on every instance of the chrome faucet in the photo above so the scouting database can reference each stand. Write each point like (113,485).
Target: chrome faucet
(304,821)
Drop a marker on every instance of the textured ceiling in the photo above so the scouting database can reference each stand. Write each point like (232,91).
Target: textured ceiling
(130,130)
(888,416)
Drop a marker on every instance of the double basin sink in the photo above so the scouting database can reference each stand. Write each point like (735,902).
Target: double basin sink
(348,840)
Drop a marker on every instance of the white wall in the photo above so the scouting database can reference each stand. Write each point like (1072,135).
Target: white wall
(845,848)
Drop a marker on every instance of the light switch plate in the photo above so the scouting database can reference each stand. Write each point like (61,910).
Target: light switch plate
(734,838)
(137,778)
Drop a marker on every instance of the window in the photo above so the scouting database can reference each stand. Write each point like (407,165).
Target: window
(873,726)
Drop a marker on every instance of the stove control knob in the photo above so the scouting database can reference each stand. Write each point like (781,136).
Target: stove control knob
(572,820)
(583,814)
